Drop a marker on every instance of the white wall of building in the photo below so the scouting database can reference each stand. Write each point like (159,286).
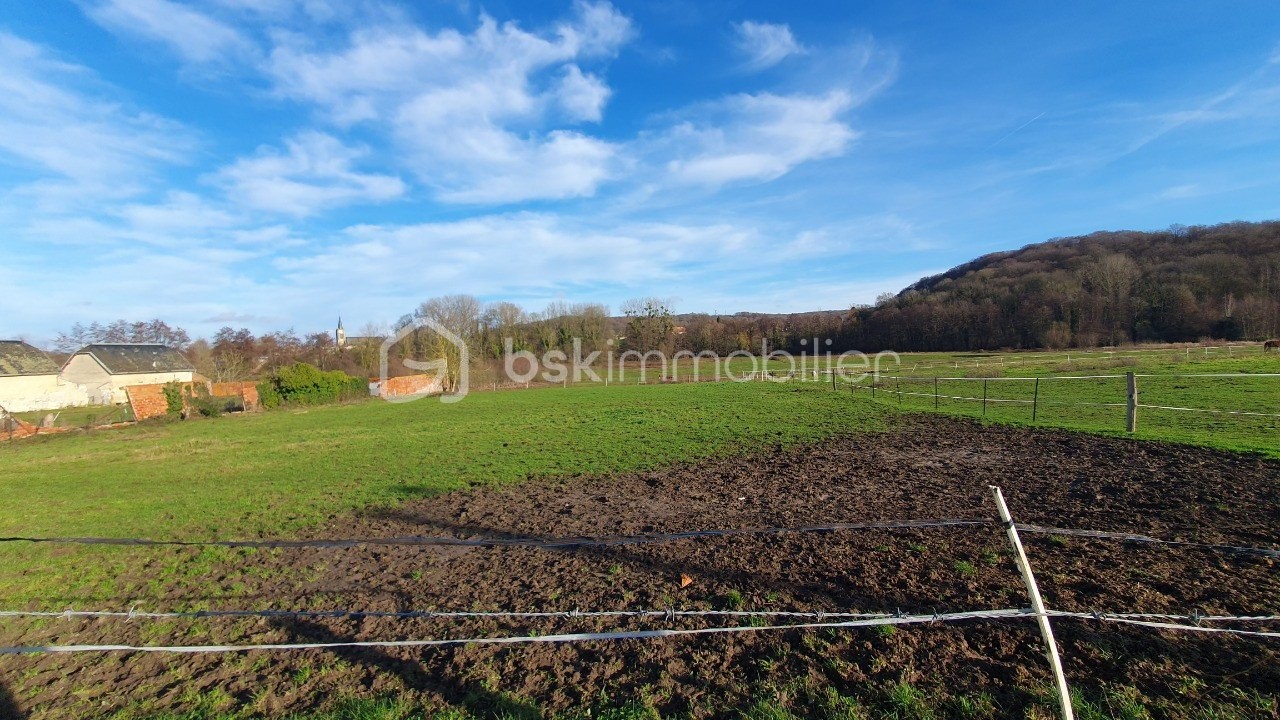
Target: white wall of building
(25,393)
(82,382)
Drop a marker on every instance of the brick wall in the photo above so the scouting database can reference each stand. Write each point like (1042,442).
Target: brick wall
(147,401)
(410,385)
(246,391)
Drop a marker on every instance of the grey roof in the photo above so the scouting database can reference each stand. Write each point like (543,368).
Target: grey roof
(19,358)
(125,358)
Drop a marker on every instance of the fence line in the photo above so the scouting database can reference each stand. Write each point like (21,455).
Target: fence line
(1210,410)
(547,543)
(878,620)
(1001,379)
(1208,375)
(666,614)
(1131,404)
(1164,625)
(997,400)
(1132,537)
(1137,353)
(512,640)
(605,541)
(1192,619)
(433,614)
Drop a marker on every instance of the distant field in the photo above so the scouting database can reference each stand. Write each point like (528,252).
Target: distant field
(1167,377)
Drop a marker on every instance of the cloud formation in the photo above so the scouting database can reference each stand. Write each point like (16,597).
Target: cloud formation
(765,44)
(315,174)
(484,116)
(58,119)
(193,35)
(758,137)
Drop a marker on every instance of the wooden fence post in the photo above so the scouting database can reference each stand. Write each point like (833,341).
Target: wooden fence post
(1131,403)
(898,383)
(984,397)
(1035,401)
(935,392)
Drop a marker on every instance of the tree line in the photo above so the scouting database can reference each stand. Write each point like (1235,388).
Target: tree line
(1183,284)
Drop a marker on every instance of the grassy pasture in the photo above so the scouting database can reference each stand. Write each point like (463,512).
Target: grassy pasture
(1097,404)
(270,474)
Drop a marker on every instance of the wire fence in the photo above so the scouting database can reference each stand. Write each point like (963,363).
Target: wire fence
(553,543)
(793,620)
(1174,353)
(1178,403)
(547,543)
(668,614)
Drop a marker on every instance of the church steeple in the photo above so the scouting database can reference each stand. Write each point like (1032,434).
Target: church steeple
(341,335)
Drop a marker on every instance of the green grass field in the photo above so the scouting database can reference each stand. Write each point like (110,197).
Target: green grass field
(1166,377)
(272,473)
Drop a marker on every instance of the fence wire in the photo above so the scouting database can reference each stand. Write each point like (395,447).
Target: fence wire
(545,543)
(521,639)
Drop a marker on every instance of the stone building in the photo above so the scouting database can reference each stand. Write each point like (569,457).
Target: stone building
(103,371)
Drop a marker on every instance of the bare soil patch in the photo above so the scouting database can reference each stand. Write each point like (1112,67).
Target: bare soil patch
(928,467)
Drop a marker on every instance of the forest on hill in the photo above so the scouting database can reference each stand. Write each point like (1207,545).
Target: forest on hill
(1107,288)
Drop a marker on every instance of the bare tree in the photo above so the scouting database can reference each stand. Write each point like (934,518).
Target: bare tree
(460,314)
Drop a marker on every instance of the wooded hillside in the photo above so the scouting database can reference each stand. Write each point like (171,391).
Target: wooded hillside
(1106,288)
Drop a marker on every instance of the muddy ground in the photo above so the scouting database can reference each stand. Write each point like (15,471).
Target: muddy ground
(925,468)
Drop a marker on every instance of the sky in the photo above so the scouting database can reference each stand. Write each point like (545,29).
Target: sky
(273,164)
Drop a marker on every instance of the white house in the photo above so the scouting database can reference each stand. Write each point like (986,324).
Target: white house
(102,371)
(29,380)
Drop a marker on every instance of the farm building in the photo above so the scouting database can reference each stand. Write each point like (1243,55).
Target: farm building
(29,380)
(103,371)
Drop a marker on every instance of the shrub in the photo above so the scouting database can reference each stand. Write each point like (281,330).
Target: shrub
(200,401)
(305,384)
(268,396)
(173,397)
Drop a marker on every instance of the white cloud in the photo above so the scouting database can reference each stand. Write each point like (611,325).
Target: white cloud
(582,96)
(182,217)
(193,35)
(520,256)
(315,174)
(54,119)
(758,137)
(765,44)
(473,112)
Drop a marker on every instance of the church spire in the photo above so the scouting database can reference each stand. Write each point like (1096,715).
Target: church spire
(340,335)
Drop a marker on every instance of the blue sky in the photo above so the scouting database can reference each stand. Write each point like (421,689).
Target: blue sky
(273,163)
